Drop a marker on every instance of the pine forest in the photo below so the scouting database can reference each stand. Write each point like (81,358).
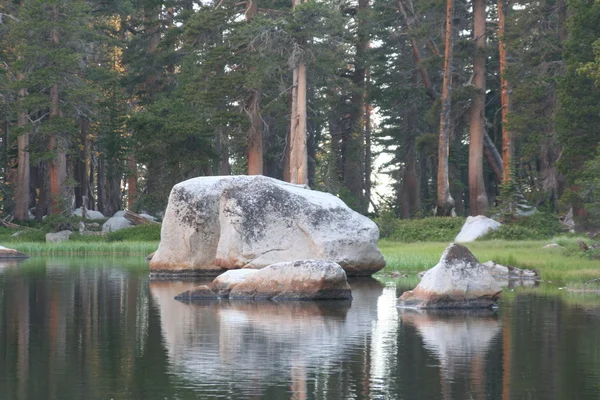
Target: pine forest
(459,106)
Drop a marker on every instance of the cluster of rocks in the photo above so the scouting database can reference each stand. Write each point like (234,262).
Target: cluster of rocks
(266,239)
(296,280)
(114,223)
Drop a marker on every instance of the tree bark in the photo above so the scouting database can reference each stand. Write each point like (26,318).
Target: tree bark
(354,153)
(58,164)
(368,132)
(490,151)
(445,202)
(23,172)
(252,108)
(131,181)
(478,201)
(298,150)
(507,141)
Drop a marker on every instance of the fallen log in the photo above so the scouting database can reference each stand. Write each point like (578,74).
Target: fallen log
(137,219)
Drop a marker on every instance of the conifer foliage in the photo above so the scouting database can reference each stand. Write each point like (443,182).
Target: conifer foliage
(109,103)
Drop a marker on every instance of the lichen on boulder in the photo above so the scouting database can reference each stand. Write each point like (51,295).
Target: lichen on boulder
(214,224)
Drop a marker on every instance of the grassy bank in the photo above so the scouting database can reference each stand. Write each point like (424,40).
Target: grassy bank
(75,248)
(560,265)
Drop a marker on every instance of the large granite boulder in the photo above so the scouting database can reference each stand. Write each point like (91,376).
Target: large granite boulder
(5,252)
(475,227)
(213,224)
(297,280)
(457,281)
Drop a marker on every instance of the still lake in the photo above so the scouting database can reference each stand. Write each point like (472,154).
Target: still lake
(99,328)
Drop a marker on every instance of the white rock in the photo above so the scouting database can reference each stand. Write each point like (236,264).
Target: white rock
(115,223)
(552,246)
(120,213)
(223,283)
(58,237)
(89,214)
(297,280)
(457,281)
(148,217)
(217,223)
(5,252)
(476,227)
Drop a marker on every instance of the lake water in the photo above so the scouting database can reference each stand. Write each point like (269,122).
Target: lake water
(100,329)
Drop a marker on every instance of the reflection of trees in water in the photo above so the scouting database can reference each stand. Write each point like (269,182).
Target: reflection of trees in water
(72,332)
(95,332)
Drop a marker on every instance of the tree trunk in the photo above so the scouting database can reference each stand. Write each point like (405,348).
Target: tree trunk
(354,171)
(81,169)
(507,142)
(22,196)
(223,148)
(131,181)
(490,151)
(409,193)
(58,164)
(445,202)
(252,108)
(478,201)
(368,131)
(298,151)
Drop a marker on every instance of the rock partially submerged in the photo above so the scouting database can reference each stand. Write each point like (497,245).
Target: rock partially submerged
(475,227)
(213,224)
(5,252)
(507,275)
(297,280)
(198,293)
(223,283)
(457,281)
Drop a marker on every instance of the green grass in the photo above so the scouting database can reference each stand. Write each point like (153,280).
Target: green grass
(79,248)
(561,266)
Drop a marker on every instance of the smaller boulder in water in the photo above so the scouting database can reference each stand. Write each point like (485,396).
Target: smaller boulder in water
(5,252)
(457,281)
(295,280)
(224,283)
(475,227)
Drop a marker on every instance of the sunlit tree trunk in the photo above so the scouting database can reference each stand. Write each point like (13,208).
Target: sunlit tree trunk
(478,201)
(58,164)
(445,202)
(507,142)
(298,150)
(252,107)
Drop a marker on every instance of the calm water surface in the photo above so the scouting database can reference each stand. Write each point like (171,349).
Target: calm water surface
(100,329)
